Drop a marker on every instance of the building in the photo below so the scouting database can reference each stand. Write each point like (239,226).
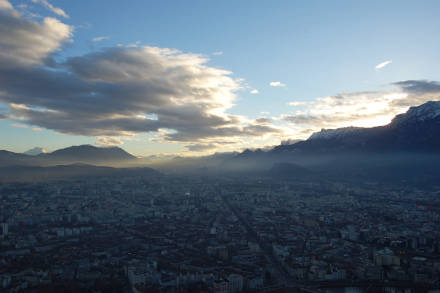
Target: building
(221,286)
(4,230)
(386,257)
(235,283)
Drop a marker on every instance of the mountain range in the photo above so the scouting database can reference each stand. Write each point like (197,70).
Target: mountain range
(86,154)
(407,147)
(416,130)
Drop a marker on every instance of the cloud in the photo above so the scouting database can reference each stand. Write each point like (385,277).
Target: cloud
(117,91)
(99,39)
(363,109)
(56,10)
(109,141)
(5,5)
(17,125)
(218,53)
(296,103)
(419,86)
(276,84)
(27,43)
(254,92)
(383,64)
(263,120)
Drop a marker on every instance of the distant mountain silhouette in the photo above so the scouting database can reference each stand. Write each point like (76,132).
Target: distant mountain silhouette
(75,154)
(10,158)
(89,153)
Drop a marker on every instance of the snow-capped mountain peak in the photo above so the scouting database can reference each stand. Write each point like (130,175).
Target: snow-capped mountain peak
(427,111)
(35,151)
(334,133)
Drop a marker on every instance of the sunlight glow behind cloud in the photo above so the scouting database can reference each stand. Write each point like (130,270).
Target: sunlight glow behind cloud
(361,109)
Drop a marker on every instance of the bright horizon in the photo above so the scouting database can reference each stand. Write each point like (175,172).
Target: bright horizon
(200,77)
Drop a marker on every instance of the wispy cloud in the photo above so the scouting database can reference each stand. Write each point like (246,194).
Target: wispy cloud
(296,103)
(17,125)
(383,64)
(49,6)
(218,53)
(99,39)
(254,92)
(276,84)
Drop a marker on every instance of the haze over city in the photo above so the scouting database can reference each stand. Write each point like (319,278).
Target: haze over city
(219,146)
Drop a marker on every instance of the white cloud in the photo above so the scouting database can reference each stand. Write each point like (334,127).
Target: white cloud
(24,42)
(218,53)
(383,64)
(296,103)
(56,10)
(99,39)
(276,84)
(5,5)
(254,92)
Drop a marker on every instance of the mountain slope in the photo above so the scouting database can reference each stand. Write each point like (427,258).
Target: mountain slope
(416,130)
(407,149)
(86,154)
(11,158)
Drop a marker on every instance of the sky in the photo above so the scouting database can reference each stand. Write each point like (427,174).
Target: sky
(198,77)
